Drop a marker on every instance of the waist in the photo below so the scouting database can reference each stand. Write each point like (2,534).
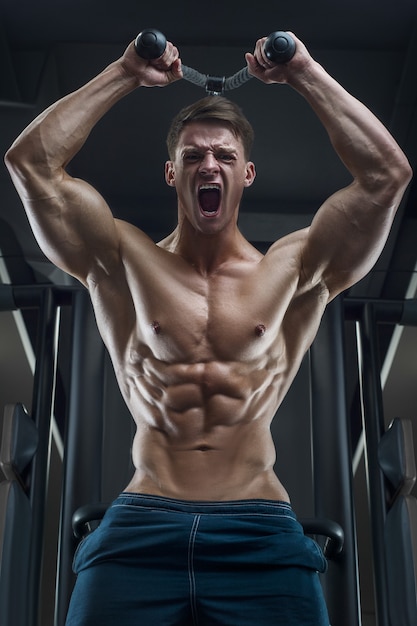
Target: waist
(258,506)
(209,482)
(232,463)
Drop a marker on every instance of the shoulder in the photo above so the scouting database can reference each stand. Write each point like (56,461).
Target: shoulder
(110,274)
(131,234)
(286,258)
(287,251)
(140,254)
(292,240)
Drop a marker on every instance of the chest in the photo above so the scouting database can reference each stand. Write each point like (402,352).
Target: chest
(222,318)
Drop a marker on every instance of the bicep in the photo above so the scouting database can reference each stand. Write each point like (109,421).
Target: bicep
(346,238)
(74,226)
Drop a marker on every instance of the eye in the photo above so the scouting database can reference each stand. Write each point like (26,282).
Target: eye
(226,157)
(191,157)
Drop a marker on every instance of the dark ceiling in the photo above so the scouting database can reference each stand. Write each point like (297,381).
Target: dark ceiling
(50,47)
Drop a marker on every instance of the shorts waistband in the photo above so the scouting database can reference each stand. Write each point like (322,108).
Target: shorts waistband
(260,506)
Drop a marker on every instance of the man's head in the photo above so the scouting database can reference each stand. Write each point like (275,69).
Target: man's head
(212,108)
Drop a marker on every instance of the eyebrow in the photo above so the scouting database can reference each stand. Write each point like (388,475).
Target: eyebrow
(218,148)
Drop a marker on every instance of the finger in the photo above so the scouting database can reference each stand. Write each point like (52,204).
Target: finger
(260,55)
(176,69)
(171,54)
(252,63)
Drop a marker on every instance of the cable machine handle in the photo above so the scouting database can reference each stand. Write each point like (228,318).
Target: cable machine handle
(150,44)
(279,47)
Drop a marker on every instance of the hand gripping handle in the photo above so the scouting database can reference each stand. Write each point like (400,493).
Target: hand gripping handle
(279,46)
(150,44)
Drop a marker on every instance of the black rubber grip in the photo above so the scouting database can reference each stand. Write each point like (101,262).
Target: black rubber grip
(150,44)
(280,47)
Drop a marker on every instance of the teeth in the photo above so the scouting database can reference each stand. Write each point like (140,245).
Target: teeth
(209,186)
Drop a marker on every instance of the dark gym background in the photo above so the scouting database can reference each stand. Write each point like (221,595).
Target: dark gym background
(51,47)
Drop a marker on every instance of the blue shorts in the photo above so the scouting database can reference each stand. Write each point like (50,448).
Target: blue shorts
(156,561)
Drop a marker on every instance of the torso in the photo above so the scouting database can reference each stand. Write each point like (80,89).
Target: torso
(203,363)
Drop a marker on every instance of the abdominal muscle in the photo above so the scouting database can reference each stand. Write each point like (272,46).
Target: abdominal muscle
(204,441)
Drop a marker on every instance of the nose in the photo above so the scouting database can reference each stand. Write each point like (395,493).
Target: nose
(209,164)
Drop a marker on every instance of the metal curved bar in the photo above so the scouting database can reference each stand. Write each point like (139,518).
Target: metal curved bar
(237,80)
(197,78)
(215,85)
(279,47)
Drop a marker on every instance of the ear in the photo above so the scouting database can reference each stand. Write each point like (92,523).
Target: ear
(169,174)
(250,173)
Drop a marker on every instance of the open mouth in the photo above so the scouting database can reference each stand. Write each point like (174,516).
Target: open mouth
(209,199)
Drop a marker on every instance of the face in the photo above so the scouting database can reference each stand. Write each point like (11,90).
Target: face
(209,173)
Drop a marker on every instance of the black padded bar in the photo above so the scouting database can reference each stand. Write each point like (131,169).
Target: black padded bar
(331,530)
(409,316)
(47,298)
(86,514)
(403,312)
(332,460)
(41,412)
(83,438)
(14,297)
(396,457)
(7,301)
(374,427)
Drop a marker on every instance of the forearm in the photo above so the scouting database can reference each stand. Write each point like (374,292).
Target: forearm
(44,148)
(58,133)
(349,231)
(351,227)
(364,145)
(362,142)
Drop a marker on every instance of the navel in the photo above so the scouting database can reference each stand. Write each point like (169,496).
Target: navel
(260,330)
(156,327)
(204,448)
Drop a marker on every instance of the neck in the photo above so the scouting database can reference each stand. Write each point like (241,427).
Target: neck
(207,253)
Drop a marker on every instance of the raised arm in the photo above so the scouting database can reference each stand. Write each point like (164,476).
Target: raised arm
(350,229)
(71,221)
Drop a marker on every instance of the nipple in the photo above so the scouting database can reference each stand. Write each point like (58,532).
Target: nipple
(156,327)
(260,330)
